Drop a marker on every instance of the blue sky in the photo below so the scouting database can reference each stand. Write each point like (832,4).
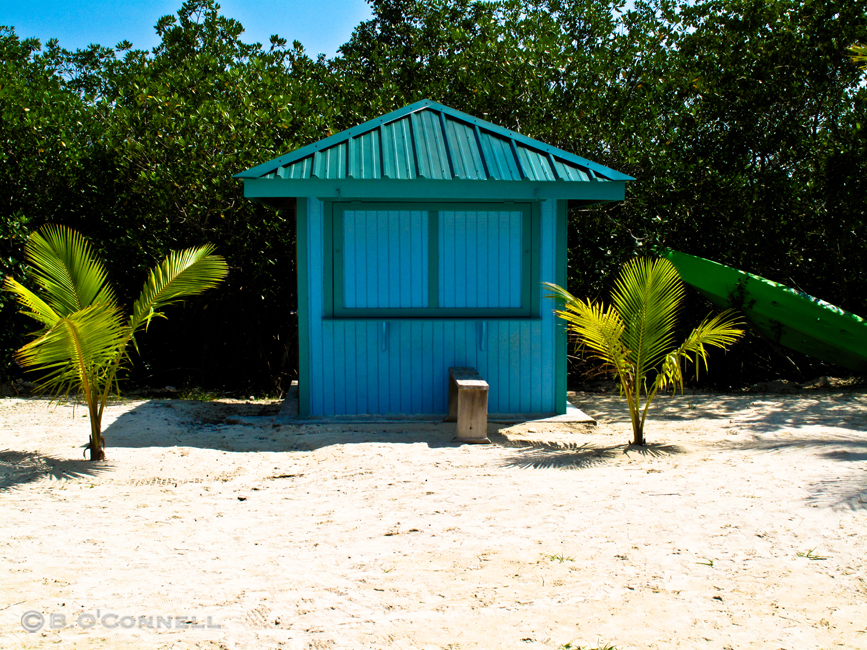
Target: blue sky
(320,25)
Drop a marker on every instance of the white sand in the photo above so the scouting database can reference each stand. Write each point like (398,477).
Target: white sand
(383,536)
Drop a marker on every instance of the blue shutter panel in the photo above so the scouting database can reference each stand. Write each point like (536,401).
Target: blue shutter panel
(480,259)
(385,263)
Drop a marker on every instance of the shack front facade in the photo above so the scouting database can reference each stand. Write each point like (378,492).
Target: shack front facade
(422,240)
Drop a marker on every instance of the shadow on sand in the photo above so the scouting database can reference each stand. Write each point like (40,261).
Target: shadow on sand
(250,427)
(19,468)
(845,484)
(244,427)
(767,412)
(535,454)
(840,492)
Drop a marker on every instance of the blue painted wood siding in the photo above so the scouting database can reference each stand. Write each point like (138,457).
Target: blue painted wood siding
(480,261)
(394,366)
(385,258)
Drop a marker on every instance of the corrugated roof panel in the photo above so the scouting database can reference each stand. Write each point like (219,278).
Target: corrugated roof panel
(501,161)
(298,170)
(397,150)
(433,160)
(431,141)
(570,172)
(536,165)
(364,156)
(466,156)
(330,163)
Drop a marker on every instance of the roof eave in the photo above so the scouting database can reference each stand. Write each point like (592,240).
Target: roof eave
(418,189)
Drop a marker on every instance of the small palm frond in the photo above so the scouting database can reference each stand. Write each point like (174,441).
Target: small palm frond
(718,331)
(33,305)
(65,267)
(78,350)
(182,274)
(597,329)
(647,295)
(558,293)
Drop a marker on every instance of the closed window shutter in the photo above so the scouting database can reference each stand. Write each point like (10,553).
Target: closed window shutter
(385,263)
(480,259)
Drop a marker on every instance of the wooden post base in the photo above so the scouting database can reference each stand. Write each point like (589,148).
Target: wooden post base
(468,405)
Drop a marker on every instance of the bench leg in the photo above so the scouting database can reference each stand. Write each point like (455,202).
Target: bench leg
(453,401)
(472,415)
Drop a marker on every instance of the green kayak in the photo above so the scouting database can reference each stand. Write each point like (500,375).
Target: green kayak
(786,316)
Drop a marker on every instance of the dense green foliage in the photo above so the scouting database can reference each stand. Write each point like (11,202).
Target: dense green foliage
(744,122)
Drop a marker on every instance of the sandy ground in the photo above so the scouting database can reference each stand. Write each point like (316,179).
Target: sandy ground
(744,525)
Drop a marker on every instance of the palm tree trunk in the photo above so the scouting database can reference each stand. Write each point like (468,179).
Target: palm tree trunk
(637,427)
(97,442)
(633,397)
(638,434)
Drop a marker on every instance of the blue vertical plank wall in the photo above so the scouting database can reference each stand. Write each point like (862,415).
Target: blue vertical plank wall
(400,365)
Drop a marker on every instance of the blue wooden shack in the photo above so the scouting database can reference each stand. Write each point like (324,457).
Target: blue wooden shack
(422,239)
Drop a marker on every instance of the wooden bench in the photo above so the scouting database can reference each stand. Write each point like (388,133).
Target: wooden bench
(468,404)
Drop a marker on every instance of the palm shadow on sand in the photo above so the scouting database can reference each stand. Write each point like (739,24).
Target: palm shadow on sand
(537,454)
(845,482)
(19,468)
(802,416)
(770,412)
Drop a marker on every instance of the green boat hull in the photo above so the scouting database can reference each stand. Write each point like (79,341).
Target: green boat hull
(782,314)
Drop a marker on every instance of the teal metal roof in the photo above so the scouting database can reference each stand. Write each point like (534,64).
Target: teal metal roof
(430,143)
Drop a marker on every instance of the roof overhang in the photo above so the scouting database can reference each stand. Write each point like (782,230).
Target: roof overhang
(265,190)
